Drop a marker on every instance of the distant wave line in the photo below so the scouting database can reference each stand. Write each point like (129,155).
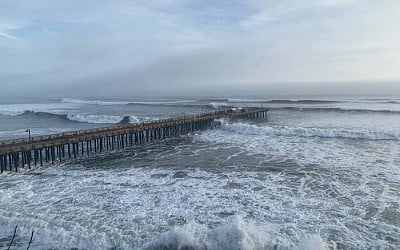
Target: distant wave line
(121,103)
(305,101)
(333,109)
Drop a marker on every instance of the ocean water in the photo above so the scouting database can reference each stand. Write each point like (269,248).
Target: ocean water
(316,174)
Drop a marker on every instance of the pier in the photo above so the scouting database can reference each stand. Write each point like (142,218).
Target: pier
(21,153)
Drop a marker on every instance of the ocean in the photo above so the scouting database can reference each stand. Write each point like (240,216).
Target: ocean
(318,173)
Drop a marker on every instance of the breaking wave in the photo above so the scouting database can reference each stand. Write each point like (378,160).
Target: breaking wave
(321,109)
(392,102)
(341,110)
(237,100)
(102,119)
(92,102)
(282,101)
(218,104)
(6,112)
(84,118)
(111,103)
(214,100)
(309,132)
(236,235)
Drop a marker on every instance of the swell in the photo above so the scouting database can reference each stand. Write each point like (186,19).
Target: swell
(341,110)
(310,132)
(171,104)
(391,102)
(122,103)
(44,115)
(81,118)
(283,101)
(92,102)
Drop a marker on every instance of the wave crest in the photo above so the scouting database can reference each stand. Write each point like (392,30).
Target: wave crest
(309,132)
(102,119)
(282,101)
(235,235)
(84,118)
(339,110)
(11,112)
(216,105)
(112,103)
(93,102)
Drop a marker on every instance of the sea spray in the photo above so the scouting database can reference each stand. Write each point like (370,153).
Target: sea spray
(237,234)
(217,105)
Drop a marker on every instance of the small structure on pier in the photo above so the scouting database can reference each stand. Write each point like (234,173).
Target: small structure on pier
(56,147)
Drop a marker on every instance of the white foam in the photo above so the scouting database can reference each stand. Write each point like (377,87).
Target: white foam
(164,102)
(92,102)
(237,234)
(134,119)
(11,112)
(100,119)
(19,109)
(118,204)
(310,132)
(238,100)
(218,104)
(110,103)
(293,190)
(62,109)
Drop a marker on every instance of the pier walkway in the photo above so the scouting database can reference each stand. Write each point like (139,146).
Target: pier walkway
(56,147)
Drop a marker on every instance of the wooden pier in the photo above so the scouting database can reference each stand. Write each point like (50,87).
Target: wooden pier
(56,147)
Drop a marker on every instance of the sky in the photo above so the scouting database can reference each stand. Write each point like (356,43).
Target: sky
(193,47)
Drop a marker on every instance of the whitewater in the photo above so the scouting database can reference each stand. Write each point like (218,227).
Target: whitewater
(318,173)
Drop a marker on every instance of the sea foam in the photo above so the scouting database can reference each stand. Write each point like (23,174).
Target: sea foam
(83,118)
(19,109)
(92,102)
(235,235)
(111,103)
(218,104)
(101,119)
(309,132)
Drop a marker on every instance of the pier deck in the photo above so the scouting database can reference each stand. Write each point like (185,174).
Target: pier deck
(50,148)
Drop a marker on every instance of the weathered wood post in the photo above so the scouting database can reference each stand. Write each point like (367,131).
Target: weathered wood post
(69,150)
(41,157)
(1,164)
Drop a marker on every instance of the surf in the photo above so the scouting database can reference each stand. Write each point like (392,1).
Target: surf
(82,118)
(250,129)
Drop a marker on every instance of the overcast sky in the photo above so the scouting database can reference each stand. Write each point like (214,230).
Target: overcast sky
(177,47)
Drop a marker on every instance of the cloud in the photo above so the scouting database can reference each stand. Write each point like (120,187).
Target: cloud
(277,10)
(2,34)
(105,46)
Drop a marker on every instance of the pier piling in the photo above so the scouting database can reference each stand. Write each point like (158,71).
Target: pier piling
(20,153)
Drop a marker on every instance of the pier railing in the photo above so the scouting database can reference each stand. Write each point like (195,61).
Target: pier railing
(38,149)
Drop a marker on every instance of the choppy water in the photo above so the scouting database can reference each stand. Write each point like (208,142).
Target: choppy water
(317,174)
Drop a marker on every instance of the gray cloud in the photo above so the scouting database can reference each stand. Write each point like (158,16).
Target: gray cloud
(196,47)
